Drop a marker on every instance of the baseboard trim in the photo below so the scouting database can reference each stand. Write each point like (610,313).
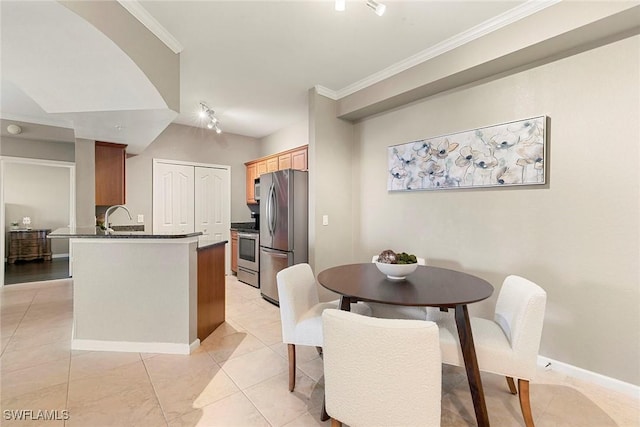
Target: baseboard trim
(592,377)
(134,347)
(54,256)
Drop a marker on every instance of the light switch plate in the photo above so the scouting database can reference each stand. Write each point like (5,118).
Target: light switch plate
(325,219)
(140,218)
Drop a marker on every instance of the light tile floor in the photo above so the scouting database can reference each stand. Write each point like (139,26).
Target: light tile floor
(238,377)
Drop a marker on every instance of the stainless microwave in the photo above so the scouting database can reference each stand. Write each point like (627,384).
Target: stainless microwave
(256,190)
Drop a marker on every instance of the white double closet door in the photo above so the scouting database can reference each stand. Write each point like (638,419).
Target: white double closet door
(192,197)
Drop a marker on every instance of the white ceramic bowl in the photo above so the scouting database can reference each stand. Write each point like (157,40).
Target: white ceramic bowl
(396,271)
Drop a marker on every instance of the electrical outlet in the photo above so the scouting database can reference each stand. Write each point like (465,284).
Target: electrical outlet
(140,218)
(325,219)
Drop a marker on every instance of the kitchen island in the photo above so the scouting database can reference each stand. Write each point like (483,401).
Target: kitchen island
(140,292)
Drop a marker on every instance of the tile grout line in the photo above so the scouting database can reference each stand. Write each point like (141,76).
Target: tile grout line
(263,381)
(66,402)
(19,323)
(155,392)
(241,390)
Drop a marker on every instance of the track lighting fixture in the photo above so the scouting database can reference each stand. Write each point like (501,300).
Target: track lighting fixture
(208,114)
(378,8)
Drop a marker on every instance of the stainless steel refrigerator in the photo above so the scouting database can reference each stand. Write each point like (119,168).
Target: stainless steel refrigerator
(284,226)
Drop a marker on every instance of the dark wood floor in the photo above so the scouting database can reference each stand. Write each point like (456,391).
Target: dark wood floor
(36,271)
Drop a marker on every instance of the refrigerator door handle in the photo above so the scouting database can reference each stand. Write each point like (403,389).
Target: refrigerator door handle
(268,211)
(275,254)
(271,209)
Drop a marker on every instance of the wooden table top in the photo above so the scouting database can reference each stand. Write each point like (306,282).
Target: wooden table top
(427,286)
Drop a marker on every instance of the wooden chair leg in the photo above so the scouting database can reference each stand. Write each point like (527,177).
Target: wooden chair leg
(512,385)
(292,366)
(335,423)
(323,412)
(525,403)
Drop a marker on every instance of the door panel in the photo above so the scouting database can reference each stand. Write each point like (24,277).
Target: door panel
(173,198)
(211,206)
(188,198)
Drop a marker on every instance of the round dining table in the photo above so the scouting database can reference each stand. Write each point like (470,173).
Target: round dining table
(426,287)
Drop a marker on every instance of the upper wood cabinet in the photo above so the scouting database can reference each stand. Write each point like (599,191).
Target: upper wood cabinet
(299,159)
(110,173)
(284,161)
(261,167)
(290,159)
(272,164)
(252,174)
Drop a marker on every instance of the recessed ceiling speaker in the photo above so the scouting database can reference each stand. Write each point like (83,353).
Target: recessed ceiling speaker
(14,129)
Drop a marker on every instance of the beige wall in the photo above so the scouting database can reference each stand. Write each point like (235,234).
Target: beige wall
(578,236)
(186,143)
(85,182)
(285,139)
(330,193)
(41,193)
(37,149)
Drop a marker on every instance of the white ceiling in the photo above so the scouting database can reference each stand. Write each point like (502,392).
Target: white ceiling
(253,62)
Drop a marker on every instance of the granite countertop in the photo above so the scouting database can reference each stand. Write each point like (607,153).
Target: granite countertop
(244,227)
(96,232)
(204,243)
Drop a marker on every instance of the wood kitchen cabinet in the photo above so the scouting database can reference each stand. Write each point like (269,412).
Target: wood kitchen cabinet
(211,289)
(299,159)
(272,164)
(252,174)
(290,159)
(261,167)
(110,173)
(296,159)
(284,161)
(234,251)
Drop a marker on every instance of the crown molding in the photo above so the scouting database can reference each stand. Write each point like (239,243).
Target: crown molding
(145,18)
(325,91)
(513,15)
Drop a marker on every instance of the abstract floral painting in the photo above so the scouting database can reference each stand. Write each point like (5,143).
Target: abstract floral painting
(506,154)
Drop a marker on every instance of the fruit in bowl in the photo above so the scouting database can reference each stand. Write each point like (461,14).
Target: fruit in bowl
(396,266)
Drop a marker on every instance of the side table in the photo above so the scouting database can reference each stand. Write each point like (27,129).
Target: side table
(27,245)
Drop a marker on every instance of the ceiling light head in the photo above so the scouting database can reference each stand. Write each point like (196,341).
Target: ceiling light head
(204,109)
(208,114)
(378,8)
(341,5)
(14,129)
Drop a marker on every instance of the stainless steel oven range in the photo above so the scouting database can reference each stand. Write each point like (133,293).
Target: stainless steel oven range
(248,258)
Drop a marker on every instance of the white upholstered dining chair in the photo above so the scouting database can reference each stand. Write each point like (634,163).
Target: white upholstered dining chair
(389,311)
(301,311)
(507,345)
(381,372)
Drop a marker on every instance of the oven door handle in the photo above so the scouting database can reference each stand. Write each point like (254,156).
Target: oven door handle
(248,236)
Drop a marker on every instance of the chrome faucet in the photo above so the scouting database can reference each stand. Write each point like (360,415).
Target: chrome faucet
(113,208)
